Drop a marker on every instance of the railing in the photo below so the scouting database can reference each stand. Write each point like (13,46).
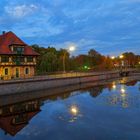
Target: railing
(60,75)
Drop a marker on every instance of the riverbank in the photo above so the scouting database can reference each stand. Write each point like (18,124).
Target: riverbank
(64,91)
(42,83)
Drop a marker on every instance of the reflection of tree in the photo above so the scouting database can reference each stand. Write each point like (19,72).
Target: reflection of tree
(59,96)
(13,118)
(109,86)
(95,91)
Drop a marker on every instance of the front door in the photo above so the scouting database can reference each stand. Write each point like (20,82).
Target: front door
(17,72)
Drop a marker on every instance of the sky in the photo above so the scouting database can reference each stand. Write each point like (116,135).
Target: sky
(108,26)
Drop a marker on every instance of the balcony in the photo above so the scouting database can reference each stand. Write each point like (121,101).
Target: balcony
(17,63)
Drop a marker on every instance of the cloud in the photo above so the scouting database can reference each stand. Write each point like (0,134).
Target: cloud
(20,11)
(104,25)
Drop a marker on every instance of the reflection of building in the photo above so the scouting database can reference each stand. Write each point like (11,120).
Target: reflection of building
(15,117)
(17,59)
(95,91)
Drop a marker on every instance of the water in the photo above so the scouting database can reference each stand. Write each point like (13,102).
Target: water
(106,112)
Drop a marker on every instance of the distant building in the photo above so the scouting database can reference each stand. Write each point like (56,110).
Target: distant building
(17,59)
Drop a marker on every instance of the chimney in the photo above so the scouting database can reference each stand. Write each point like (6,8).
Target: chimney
(3,32)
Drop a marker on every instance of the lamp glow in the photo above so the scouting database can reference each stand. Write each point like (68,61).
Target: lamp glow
(114,86)
(74,110)
(72,48)
(123,90)
(121,56)
(113,57)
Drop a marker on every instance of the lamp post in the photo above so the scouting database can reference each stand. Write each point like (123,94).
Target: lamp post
(122,62)
(113,58)
(70,49)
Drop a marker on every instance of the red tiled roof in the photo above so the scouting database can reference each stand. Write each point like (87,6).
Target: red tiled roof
(8,127)
(10,38)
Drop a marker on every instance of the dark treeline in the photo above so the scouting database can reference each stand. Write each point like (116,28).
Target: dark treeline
(51,60)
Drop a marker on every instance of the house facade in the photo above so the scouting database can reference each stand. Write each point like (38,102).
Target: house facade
(14,117)
(17,59)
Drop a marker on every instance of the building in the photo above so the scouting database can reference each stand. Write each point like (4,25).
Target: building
(13,118)
(17,59)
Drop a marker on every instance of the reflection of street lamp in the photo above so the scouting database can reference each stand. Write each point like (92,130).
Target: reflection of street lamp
(70,49)
(74,110)
(123,90)
(114,86)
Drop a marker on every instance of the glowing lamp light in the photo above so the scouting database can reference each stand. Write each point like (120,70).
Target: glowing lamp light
(114,86)
(74,110)
(121,56)
(113,57)
(123,90)
(71,48)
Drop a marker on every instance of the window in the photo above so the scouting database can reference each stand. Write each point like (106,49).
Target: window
(19,119)
(6,71)
(26,70)
(18,49)
(5,59)
(18,59)
(29,59)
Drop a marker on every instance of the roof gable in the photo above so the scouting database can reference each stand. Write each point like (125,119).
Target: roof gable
(10,38)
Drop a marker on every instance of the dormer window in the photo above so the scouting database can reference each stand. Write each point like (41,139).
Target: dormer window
(18,50)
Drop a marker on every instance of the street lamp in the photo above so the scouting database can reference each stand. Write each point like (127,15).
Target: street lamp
(121,56)
(122,62)
(113,57)
(70,49)
(113,62)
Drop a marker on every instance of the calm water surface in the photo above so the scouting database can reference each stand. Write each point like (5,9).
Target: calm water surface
(100,113)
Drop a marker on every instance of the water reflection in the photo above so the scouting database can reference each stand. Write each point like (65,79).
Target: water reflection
(96,91)
(14,117)
(121,97)
(74,110)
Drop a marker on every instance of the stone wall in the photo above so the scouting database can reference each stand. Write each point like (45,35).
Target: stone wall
(40,84)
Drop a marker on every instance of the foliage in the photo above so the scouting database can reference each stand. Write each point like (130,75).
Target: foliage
(51,60)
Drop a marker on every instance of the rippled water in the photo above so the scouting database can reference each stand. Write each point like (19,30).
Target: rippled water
(106,112)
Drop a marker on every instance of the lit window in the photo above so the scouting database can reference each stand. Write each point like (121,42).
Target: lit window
(6,71)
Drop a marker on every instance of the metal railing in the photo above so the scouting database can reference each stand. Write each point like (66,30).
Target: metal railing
(58,75)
